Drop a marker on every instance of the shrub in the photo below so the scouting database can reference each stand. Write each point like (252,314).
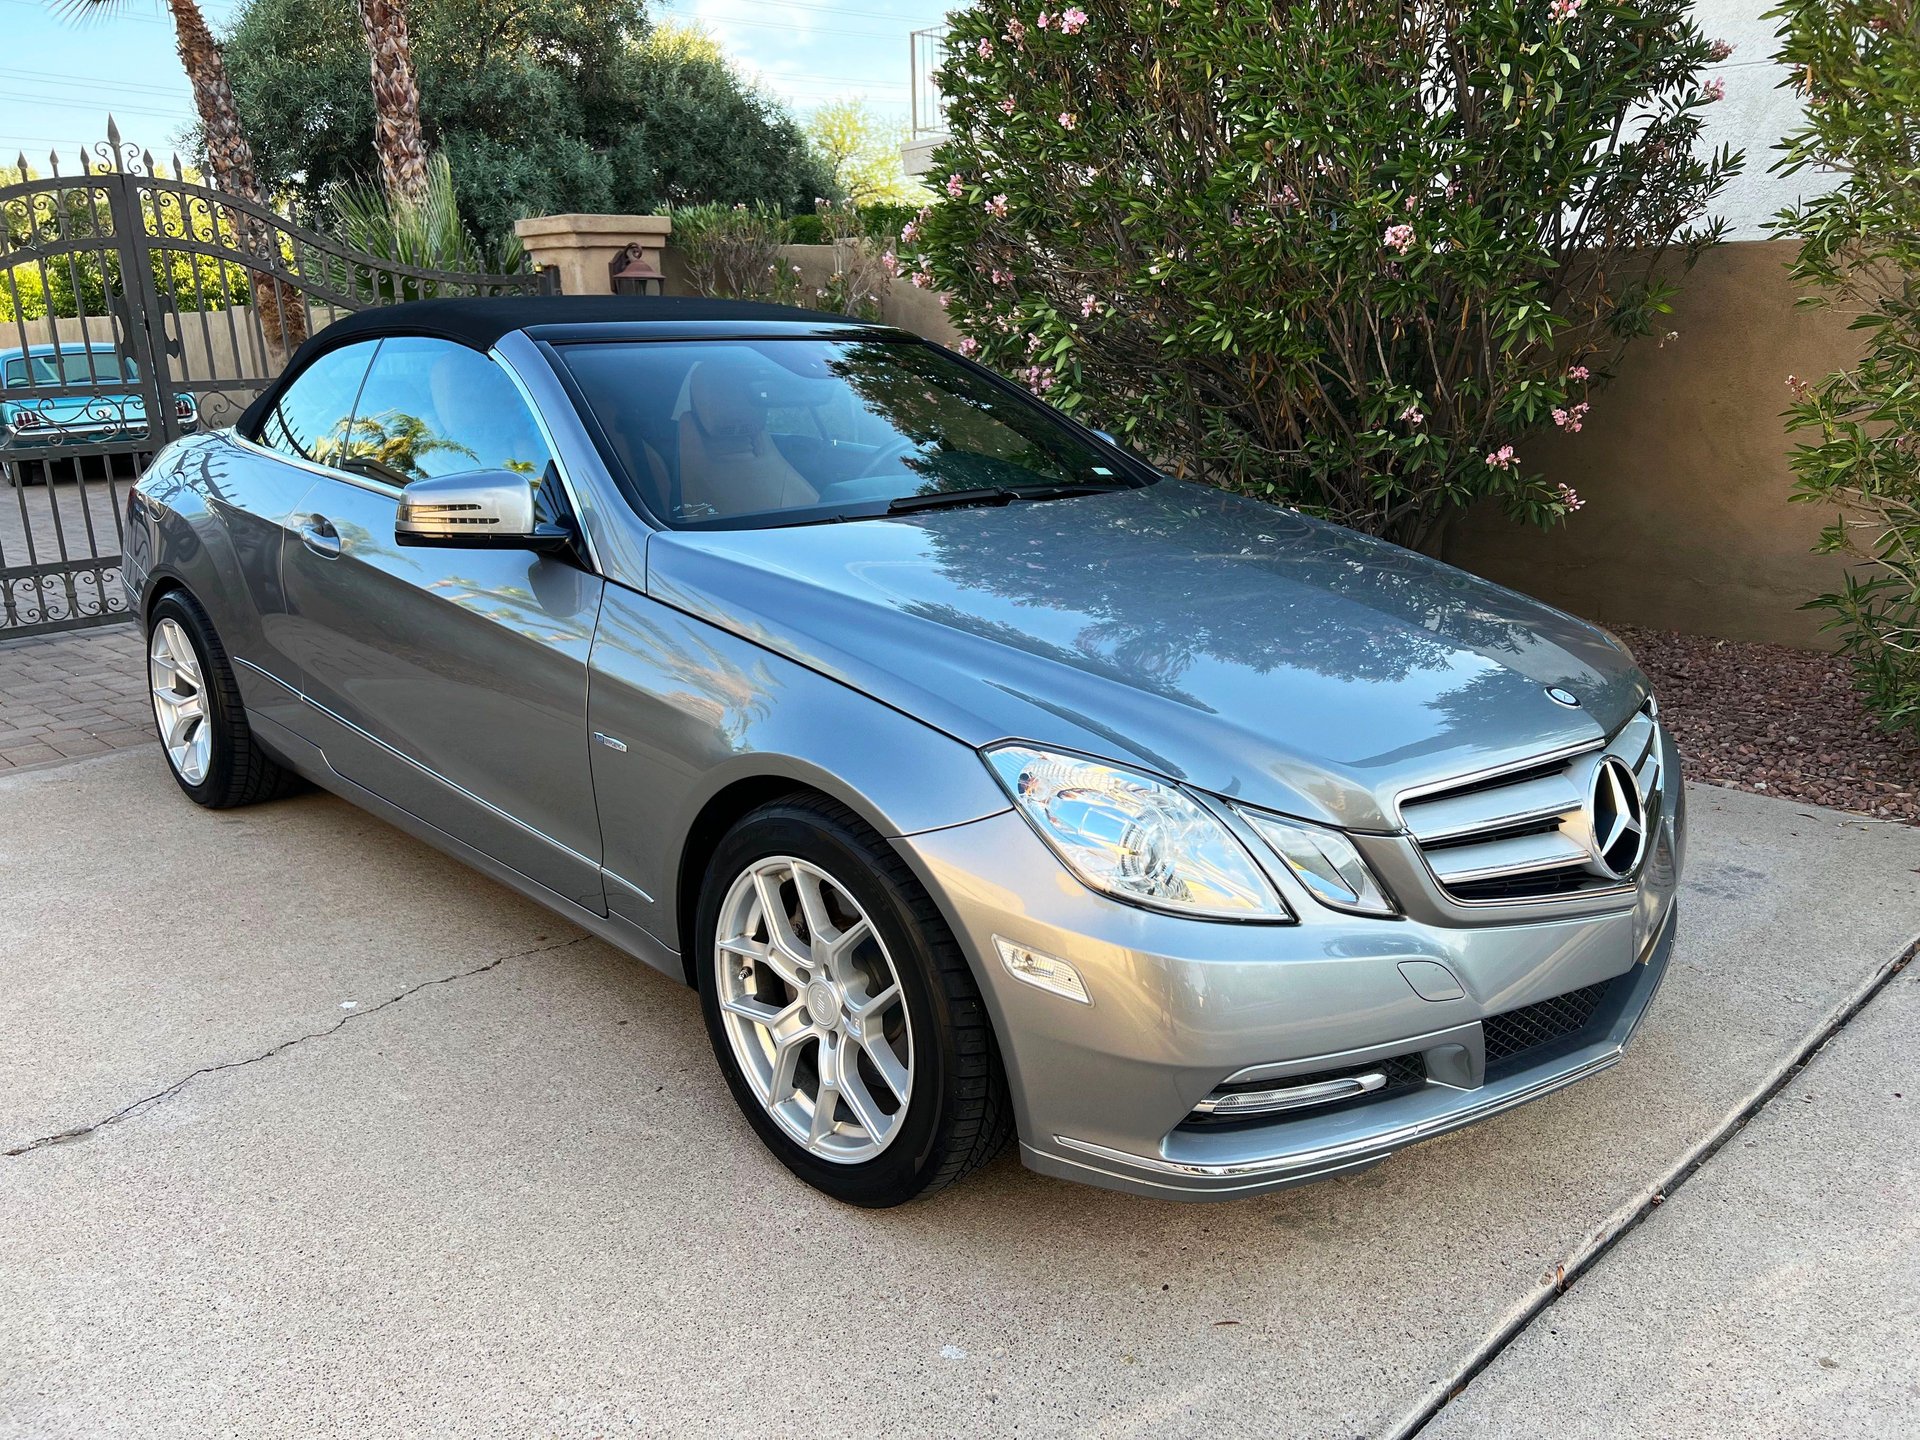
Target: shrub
(884,222)
(734,251)
(1341,254)
(427,233)
(806,230)
(1857,69)
(859,282)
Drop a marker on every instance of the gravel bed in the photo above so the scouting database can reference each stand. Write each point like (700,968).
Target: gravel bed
(1779,722)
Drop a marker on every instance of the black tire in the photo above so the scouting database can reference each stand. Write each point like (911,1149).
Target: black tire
(239,772)
(958,1116)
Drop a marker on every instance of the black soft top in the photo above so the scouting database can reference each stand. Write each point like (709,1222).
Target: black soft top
(480,323)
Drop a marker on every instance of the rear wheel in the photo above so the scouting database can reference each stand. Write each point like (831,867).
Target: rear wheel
(841,1010)
(196,708)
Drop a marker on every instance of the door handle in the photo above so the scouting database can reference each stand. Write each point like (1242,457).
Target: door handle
(319,536)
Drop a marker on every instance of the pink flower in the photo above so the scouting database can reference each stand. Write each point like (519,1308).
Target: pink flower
(1399,238)
(946,301)
(1067,122)
(984,48)
(1087,306)
(909,232)
(1719,50)
(954,187)
(1714,89)
(1006,106)
(1289,197)
(1001,277)
(1570,420)
(1565,9)
(890,262)
(1578,372)
(1411,415)
(919,280)
(968,345)
(1072,21)
(1569,497)
(1016,32)
(1503,458)
(1043,20)
(997,207)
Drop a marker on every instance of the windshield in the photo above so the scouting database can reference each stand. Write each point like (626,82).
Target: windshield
(69,367)
(732,433)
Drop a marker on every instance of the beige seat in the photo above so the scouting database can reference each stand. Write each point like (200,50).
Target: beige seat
(729,465)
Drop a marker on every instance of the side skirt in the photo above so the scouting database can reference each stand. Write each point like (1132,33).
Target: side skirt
(308,760)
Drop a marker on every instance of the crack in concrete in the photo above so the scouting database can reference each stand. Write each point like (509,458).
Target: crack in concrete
(81,1132)
(1571,1272)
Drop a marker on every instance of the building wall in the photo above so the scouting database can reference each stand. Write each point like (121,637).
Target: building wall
(1756,113)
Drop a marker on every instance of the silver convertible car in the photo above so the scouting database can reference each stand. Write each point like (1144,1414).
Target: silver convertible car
(979,777)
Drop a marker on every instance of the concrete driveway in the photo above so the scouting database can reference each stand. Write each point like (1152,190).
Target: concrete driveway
(357,1142)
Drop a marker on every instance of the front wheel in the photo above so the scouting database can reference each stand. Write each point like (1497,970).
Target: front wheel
(841,1010)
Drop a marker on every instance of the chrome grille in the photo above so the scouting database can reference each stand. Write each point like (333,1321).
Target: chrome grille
(1525,833)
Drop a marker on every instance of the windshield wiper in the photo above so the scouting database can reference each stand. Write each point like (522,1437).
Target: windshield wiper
(994,495)
(952,499)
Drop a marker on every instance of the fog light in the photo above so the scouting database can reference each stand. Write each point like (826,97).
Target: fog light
(1045,971)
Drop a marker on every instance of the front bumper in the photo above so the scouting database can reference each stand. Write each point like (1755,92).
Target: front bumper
(1106,1093)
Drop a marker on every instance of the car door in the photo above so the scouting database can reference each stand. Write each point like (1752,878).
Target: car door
(257,496)
(451,682)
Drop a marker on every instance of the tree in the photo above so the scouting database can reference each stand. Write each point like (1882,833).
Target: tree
(1339,253)
(541,107)
(1856,67)
(229,156)
(863,151)
(396,101)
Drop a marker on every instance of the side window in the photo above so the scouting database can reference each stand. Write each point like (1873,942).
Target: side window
(311,419)
(431,407)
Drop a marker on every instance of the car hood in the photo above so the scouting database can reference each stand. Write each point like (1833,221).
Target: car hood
(1243,649)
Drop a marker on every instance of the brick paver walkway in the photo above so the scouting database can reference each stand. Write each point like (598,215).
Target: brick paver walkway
(83,692)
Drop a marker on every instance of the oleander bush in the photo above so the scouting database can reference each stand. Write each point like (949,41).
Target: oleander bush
(1343,254)
(1856,67)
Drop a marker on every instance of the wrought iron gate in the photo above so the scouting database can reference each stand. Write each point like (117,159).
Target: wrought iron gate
(137,306)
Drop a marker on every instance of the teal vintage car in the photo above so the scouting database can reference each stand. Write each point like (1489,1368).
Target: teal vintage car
(66,421)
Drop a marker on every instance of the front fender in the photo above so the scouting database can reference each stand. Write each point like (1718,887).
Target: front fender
(712,724)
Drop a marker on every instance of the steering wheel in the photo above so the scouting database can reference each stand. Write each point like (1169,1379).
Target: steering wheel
(902,445)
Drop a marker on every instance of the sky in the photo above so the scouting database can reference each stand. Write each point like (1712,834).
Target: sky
(59,77)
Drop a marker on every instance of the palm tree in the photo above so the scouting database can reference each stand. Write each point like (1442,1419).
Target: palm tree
(396,101)
(230,158)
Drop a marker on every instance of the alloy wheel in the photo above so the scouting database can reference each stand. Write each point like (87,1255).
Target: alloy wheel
(812,1006)
(180,701)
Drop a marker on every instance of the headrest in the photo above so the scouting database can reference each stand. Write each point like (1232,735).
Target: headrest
(728,413)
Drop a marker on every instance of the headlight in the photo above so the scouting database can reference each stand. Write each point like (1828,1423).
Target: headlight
(1325,861)
(1135,838)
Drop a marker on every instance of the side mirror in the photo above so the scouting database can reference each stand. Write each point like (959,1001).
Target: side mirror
(483,510)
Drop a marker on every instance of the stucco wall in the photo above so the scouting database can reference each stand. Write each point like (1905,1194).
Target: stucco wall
(1683,465)
(1754,115)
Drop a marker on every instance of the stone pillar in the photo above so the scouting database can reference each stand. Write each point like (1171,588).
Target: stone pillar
(582,247)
